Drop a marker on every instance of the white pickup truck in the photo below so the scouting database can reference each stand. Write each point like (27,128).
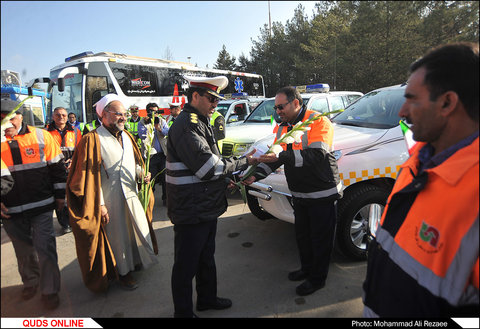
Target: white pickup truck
(370,148)
(240,137)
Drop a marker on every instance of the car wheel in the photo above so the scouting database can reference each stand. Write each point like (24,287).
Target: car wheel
(256,209)
(355,209)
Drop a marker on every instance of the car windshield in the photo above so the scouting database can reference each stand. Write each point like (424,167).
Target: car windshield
(263,112)
(223,108)
(377,109)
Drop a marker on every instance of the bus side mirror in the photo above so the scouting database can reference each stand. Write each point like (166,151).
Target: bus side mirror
(61,84)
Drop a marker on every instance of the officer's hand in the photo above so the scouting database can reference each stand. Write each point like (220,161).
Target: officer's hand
(105,218)
(60,203)
(4,211)
(251,160)
(231,185)
(249,180)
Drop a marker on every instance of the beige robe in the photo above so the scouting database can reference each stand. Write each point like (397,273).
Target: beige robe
(94,252)
(128,230)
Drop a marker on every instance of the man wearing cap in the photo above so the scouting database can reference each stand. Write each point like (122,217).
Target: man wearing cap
(113,235)
(157,153)
(132,123)
(175,109)
(36,164)
(197,178)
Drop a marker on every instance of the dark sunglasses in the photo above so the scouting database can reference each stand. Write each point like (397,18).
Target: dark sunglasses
(281,106)
(211,99)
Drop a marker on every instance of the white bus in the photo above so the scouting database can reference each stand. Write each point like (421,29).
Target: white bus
(83,79)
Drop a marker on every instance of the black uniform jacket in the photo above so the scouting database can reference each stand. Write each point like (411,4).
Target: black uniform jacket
(196,174)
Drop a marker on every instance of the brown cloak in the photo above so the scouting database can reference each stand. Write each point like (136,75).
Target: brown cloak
(94,253)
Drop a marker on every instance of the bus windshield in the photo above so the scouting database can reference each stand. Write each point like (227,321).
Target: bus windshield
(70,98)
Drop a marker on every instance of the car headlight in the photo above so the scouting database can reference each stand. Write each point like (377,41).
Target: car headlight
(338,154)
(241,149)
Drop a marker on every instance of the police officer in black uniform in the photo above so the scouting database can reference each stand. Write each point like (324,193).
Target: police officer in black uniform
(197,178)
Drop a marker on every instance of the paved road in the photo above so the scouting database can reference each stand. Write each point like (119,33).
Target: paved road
(253,259)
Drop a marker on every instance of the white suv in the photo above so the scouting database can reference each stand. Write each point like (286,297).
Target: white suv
(238,138)
(236,110)
(370,148)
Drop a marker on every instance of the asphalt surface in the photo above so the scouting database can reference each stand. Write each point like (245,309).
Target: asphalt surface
(253,260)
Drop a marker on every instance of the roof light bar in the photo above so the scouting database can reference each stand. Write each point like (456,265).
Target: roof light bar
(319,87)
(85,53)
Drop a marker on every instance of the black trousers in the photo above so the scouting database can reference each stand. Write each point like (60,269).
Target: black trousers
(315,223)
(157,164)
(194,257)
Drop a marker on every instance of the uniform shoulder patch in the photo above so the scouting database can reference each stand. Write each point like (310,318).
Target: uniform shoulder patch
(193,118)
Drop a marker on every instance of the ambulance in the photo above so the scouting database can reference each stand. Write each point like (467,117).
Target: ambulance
(369,147)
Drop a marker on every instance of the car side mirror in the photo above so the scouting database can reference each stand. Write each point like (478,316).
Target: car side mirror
(232,118)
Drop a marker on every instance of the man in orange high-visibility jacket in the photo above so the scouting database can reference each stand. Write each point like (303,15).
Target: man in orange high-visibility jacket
(312,177)
(36,164)
(423,262)
(67,137)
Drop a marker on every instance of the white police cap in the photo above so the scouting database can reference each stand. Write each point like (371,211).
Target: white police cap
(212,85)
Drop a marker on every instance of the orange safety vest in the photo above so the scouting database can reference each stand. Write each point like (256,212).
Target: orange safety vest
(70,139)
(427,246)
(34,160)
(311,169)
(320,134)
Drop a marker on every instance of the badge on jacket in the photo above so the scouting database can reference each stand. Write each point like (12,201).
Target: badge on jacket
(193,118)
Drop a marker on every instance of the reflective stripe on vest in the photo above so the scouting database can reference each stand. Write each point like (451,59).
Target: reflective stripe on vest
(214,116)
(69,140)
(322,139)
(437,246)
(91,126)
(213,162)
(133,126)
(25,151)
(33,150)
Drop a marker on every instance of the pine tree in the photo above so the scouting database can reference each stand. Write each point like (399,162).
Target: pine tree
(225,61)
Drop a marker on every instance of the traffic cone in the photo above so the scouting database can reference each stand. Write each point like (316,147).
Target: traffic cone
(175,98)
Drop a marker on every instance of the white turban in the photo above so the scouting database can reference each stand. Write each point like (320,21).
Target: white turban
(107,99)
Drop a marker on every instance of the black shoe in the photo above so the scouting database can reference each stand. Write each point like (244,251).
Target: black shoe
(307,288)
(66,229)
(127,282)
(29,292)
(219,304)
(298,275)
(51,301)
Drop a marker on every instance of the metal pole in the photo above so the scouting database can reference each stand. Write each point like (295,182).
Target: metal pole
(269,20)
